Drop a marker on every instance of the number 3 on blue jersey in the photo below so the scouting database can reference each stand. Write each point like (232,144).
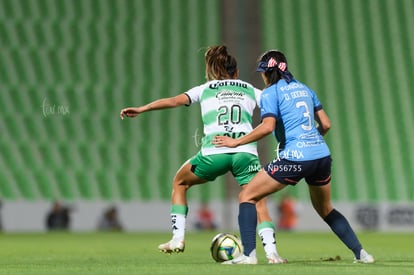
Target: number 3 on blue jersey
(307,114)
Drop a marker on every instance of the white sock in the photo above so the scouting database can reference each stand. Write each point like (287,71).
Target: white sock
(267,235)
(178,226)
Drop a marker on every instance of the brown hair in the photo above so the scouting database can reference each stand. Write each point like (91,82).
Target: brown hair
(219,64)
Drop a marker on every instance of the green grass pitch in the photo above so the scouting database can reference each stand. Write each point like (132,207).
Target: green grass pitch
(136,253)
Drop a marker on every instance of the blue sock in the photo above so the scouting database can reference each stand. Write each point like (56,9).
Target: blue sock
(247,225)
(343,230)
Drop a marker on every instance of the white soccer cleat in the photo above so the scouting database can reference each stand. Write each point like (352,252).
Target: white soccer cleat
(175,246)
(242,259)
(276,259)
(364,258)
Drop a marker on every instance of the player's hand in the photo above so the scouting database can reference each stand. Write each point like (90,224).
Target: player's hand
(129,112)
(224,141)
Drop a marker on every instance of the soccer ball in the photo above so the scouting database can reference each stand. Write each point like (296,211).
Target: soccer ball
(225,247)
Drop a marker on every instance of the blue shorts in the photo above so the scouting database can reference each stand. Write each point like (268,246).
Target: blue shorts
(316,172)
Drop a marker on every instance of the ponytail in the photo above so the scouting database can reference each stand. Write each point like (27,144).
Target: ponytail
(219,64)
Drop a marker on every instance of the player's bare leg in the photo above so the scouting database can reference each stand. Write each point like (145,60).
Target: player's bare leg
(183,180)
(321,201)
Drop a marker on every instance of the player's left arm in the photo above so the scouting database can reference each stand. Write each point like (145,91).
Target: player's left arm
(163,103)
(323,120)
(263,129)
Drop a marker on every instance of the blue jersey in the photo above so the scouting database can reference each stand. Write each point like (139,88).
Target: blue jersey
(293,106)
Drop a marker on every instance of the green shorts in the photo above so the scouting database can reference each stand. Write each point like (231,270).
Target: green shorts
(243,166)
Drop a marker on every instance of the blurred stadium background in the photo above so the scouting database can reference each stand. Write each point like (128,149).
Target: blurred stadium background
(68,66)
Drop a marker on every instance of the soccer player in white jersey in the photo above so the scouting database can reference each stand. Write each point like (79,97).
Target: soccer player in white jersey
(227,105)
(289,109)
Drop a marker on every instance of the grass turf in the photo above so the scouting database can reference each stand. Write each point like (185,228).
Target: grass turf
(136,253)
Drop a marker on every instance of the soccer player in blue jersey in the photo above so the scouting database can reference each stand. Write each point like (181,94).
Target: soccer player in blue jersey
(289,109)
(227,105)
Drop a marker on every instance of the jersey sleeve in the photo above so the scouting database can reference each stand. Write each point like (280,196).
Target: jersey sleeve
(194,94)
(268,103)
(258,94)
(316,103)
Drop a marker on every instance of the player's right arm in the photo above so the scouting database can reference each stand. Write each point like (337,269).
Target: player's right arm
(163,103)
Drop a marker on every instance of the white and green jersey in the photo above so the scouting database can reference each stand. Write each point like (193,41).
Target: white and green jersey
(227,109)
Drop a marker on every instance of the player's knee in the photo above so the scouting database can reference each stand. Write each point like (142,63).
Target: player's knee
(246,197)
(242,196)
(181,184)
